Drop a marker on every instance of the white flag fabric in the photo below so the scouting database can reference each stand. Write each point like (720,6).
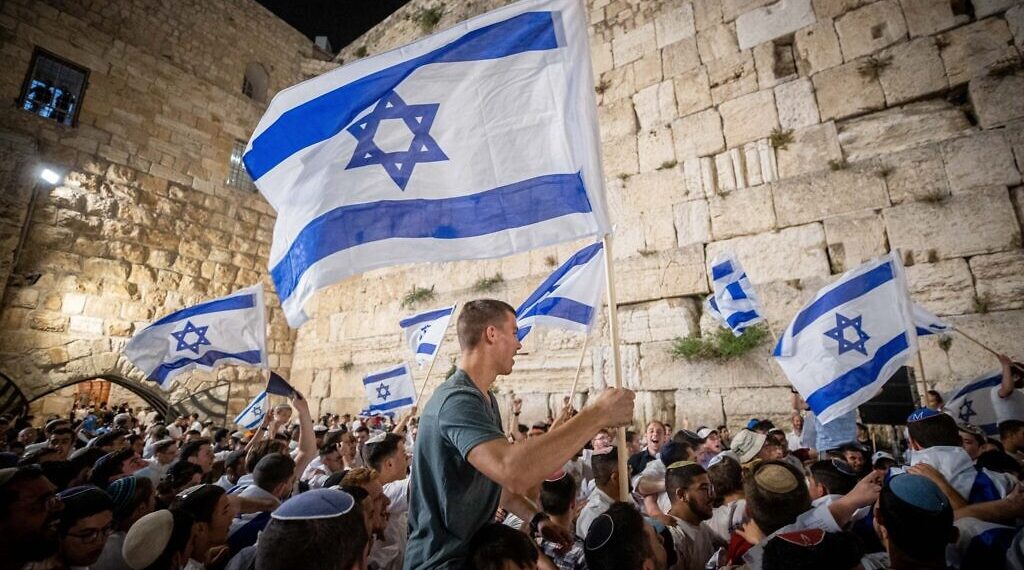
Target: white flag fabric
(733,302)
(570,297)
(977,402)
(228,330)
(390,390)
(927,323)
(425,331)
(850,339)
(477,142)
(253,414)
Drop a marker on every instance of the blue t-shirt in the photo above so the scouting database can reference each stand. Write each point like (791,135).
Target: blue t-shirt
(449,499)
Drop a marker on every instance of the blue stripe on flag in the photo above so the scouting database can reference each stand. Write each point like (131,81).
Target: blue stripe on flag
(721,270)
(207,359)
(989,382)
(841,295)
(853,380)
(400,371)
(423,317)
(516,205)
(391,405)
(220,305)
(736,320)
(582,256)
(561,308)
(426,348)
(325,116)
(256,400)
(735,290)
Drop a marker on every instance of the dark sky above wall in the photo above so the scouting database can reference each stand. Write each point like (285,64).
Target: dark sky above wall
(340,20)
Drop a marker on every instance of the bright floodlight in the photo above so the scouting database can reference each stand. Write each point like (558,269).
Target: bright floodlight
(49,176)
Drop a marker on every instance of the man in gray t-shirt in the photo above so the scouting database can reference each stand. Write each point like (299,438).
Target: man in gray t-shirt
(464,467)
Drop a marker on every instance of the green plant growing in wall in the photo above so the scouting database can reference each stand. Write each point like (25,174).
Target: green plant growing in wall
(488,284)
(721,345)
(667,164)
(945,342)
(418,295)
(348,366)
(780,138)
(837,165)
(361,51)
(428,18)
(982,304)
(551,261)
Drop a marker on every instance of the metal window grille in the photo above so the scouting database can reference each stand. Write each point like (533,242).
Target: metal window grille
(238,176)
(53,88)
(247,87)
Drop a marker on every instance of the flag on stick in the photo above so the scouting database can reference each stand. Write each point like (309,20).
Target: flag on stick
(279,386)
(477,142)
(390,390)
(425,331)
(973,402)
(733,302)
(569,298)
(253,414)
(927,323)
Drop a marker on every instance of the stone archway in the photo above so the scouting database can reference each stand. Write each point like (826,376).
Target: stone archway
(151,397)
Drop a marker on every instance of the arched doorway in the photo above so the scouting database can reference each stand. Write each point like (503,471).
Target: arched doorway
(152,398)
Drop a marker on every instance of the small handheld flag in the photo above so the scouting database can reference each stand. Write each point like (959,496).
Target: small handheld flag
(570,297)
(973,402)
(279,386)
(253,414)
(390,390)
(425,331)
(733,302)
(230,329)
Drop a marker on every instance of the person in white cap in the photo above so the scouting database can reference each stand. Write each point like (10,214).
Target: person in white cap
(160,540)
(750,445)
(882,461)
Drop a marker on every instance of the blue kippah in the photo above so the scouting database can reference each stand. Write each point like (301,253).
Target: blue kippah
(922,414)
(919,491)
(753,422)
(315,504)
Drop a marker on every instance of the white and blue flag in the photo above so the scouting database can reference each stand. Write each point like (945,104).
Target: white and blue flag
(389,390)
(570,297)
(850,339)
(977,402)
(228,330)
(477,142)
(253,414)
(927,323)
(425,331)
(733,302)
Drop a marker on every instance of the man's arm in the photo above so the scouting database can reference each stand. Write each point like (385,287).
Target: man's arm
(307,439)
(1006,386)
(1005,510)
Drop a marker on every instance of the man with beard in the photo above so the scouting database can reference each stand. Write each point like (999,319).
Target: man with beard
(29,511)
(688,485)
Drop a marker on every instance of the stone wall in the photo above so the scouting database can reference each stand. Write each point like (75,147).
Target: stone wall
(143,222)
(805,135)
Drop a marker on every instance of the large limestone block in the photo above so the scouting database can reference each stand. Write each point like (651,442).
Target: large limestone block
(731,76)
(774,21)
(773,403)
(963,225)
(654,148)
(893,130)
(749,118)
(742,212)
(811,150)
(871,28)
(814,197)
(660,320)
(971,49)
(620,155)
(944,287)
(997,100)
(647,70)
(679,57)
(693,222)
(699,407)
(707,14)
(999,279)
(601,58)
(693,92)
(654,405)
(655,105)
(633,45)
(675,23)
(984,8)
(854,238)
(836,8)
(617,119)
(817,48)
(915,70)
(775,62)
(670,273)
(603,370)
(717,41)
(652,191)
(999,330)
(619,83)
(981,159)
(796,104)
(1015,20)
(844,91)
(661,371)
(927,17)
(791,253)
(699,134)
(914,174)
(732,9)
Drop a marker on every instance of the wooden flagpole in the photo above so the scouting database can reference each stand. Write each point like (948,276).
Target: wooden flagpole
(924,380)
(977,342)
(579,367)
(613,333)
(437,353)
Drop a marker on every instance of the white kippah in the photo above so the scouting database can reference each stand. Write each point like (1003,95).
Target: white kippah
(147,539)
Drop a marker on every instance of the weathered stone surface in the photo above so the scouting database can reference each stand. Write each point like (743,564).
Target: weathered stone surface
(914,174)
(915,70)
(731,76)
(971,49)
(836,8)
(633,45)
(1015,20)
(796,104)
(997,279)
(741,212)
(654,148)
(749,118)
(679,57)
(926,17)
(808,198)
(655,105)
(817,48)
(775,62)
(773,21)
(844,91)
(717,41)
(997,99)
(699,134)
(966,360)
(617,119)
(871,28)
(657,321)
(985,8)
(962,157)
(963,225)
(897,129)
(671,273)
(854,238)
(811,149)
(944,287)
(732,9)
(619,83)
(693,223)
(791,253)
(693,93)
(675,24)
(620,155)
(647,70)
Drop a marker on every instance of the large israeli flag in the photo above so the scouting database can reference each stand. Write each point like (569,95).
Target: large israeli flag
(927,323)
(733,302)
(850,339)
(253,414)
(389,390)
(477,142)
(570,297)
(228,330)
(425,331)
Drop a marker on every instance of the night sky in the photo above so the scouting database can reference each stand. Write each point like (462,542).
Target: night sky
(340,20)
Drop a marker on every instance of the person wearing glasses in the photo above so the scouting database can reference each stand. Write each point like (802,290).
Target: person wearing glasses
(85,524)
(29,509)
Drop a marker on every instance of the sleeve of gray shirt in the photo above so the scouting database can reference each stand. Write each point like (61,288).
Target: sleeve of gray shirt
(466,421)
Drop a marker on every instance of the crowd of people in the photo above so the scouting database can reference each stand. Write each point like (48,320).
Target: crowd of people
(457,487)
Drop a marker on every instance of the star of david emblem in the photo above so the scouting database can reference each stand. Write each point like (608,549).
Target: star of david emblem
(200,337)
(966,411)
(257,410)
(839,334)
(383,392)
(398,165)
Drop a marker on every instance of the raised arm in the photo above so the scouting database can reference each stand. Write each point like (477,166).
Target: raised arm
(1006,386)
(307,440)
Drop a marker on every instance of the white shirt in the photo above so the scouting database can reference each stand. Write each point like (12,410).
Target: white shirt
(389,552)
(694,544)
(597,503)
(958,469)
(654,472)
(726,518)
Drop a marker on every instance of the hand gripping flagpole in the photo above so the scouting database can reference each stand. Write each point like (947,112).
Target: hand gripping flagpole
(437,353)
(978,342)
(613,333)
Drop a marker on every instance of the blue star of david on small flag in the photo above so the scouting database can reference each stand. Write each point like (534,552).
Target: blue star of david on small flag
(399,165)
(966,411)
(839,334)
(383,392)
(200,337)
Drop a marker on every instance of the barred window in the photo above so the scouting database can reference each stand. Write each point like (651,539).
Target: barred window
(238,176)
(53,88)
